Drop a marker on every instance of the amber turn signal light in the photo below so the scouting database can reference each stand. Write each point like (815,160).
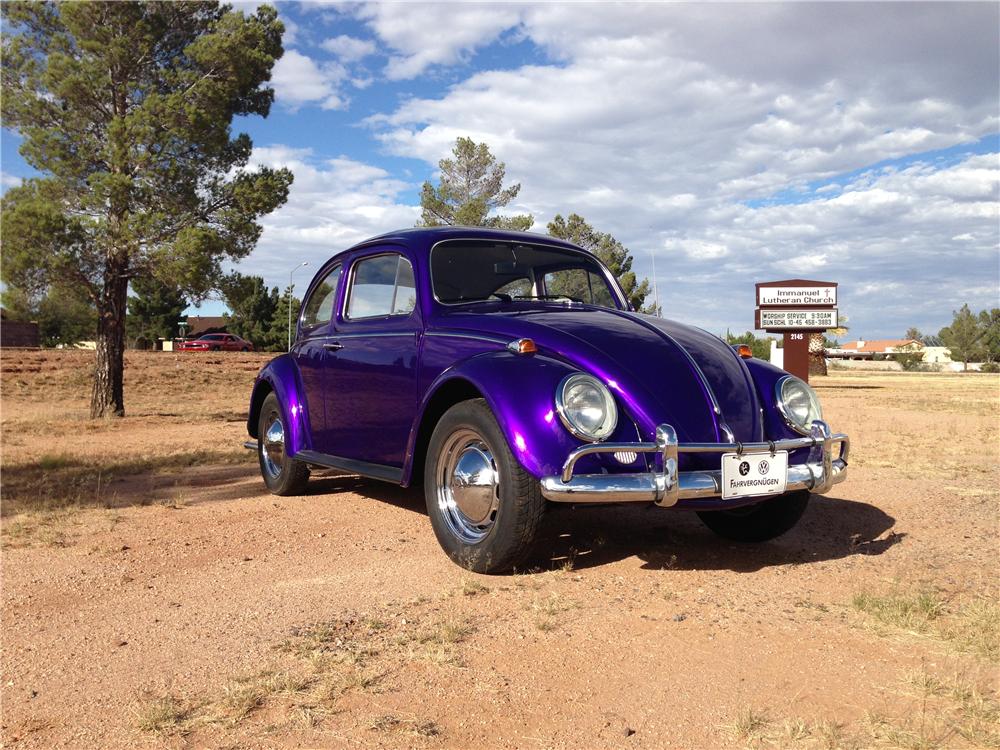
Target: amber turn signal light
(523,346)
(744,351)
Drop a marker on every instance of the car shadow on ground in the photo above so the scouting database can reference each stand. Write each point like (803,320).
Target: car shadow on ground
(585,537)
(832,528)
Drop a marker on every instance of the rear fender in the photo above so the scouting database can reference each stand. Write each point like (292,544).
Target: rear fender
(280,376)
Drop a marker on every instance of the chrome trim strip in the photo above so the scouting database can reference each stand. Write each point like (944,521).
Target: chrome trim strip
(641,488)
(474,336)
(667,486)
(700,373)
(373,335)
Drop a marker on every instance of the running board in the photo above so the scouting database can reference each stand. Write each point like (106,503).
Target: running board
(350,465)
(365,469)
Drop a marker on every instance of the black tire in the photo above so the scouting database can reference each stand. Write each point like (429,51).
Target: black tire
(215,348)
(244,350)
(282,475)
(760,522)
(519,503)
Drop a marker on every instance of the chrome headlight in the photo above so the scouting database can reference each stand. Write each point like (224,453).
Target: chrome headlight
(798,404)
(586,407)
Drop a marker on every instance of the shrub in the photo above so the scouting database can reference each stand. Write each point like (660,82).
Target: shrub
(990,367)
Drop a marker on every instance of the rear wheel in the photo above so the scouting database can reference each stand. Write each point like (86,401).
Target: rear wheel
(485,509)
(759,522)
(282,475)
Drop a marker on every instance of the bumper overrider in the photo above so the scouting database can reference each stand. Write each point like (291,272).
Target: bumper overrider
(666,485)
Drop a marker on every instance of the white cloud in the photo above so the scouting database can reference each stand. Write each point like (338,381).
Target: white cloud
(332,204)
(662,123)
(299,80)
(348,48)
(426,34)
(8,180)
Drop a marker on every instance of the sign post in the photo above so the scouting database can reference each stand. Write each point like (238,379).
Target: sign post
(796,308)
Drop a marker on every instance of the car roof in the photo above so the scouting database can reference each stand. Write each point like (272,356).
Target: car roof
(424,238)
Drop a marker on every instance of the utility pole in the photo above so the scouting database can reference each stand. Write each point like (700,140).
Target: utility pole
(290,298)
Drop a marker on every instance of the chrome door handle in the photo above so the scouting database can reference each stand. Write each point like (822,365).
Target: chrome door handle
(333,346)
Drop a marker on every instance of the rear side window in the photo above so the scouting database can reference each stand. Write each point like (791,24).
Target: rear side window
(319,307)
(383,286)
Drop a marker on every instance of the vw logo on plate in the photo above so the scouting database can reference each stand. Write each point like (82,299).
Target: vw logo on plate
(744,468)
(763,467)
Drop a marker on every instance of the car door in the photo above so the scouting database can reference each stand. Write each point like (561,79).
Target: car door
(372,374)
(312,352)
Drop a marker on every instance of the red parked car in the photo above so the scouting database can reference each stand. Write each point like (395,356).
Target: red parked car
(215,342)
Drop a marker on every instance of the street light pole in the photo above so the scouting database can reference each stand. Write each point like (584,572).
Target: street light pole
(303,263)
(656,291)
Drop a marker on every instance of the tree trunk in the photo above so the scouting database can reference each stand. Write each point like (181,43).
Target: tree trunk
(108,397)
(817,355)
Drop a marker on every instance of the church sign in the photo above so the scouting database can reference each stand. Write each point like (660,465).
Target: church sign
(785,296)
(796,308)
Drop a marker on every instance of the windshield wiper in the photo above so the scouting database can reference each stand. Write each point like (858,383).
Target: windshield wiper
(499,295)
(548,296)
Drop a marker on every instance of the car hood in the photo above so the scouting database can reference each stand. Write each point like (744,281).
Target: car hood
(660,370)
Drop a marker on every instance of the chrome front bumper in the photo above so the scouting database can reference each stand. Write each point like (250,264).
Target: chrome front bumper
(667,486)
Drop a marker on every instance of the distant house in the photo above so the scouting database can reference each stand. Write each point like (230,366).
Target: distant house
(886,348)
(199,325)
(18,332)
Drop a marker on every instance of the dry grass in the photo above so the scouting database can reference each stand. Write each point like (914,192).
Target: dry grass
(472,587)
(971,627)
(316,667)
(182,411)
(547,610)
(66,481)
(749,726)
(939,427)
(911,612)
(936,714)
(165,714)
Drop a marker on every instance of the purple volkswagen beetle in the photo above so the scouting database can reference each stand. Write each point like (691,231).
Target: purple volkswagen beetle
(505,371)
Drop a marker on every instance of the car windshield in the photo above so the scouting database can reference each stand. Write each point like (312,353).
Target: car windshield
(212,337)
(473,271)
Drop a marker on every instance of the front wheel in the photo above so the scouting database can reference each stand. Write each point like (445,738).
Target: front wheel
(282,475)
(484,507)
(759,522)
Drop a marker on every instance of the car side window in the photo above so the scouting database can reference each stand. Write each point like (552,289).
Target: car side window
(383,286)
(319,307)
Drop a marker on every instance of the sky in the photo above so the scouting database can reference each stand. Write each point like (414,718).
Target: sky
(728,143)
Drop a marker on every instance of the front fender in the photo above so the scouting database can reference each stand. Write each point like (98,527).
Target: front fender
(520,390)
(281,377)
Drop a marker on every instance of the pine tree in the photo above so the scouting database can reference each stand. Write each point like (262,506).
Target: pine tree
(154,311)
(252,308)
(125,108)
(963,337)
(610,251)
(471,187)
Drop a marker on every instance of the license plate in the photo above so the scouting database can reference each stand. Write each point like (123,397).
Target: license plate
(754,474)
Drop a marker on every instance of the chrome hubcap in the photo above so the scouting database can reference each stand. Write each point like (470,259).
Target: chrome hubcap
(468,487)
(272,447)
